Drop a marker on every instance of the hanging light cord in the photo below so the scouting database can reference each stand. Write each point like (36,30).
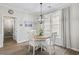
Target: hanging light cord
(41,11)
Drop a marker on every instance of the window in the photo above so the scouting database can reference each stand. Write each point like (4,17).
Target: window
(52,22)
(47,24)
(56,23)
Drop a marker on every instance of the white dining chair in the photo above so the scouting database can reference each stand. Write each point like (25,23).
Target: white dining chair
(52,42)
(49,44)
(46,44)
(31,41)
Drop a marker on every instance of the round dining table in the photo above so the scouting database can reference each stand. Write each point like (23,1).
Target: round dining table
(40,40)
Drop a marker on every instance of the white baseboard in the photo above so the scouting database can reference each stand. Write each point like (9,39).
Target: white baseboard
(21,41)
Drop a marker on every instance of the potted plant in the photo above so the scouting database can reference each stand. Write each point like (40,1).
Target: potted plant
(41,32)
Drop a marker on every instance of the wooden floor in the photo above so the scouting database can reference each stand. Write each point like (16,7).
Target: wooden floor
(12,48)
(9,42)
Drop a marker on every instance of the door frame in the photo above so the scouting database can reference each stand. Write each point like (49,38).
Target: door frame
(13,27)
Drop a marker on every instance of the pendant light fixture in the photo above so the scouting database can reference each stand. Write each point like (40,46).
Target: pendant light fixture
(40,22)
(41,16)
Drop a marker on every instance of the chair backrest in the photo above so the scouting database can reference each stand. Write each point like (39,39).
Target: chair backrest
(53,37)
(46,33)
(31,34)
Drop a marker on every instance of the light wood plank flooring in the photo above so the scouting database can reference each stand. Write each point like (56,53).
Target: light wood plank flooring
(12,48)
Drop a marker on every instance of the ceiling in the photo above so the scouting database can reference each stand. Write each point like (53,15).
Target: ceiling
(34,8)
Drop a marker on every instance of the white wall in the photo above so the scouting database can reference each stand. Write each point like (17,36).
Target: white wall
(74,21)
(20,31)
(1,36)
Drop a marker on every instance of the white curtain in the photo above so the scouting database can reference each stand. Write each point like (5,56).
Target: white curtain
(66,27)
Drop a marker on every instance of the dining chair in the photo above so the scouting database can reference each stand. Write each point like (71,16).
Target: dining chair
(52,42)
(46,44)
(31,41)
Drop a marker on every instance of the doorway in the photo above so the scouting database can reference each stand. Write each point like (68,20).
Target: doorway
(8,29)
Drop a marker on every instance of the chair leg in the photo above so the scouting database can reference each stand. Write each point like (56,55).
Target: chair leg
(29,48)
(33,50)
(41,48)
(49,50)
(54,49)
